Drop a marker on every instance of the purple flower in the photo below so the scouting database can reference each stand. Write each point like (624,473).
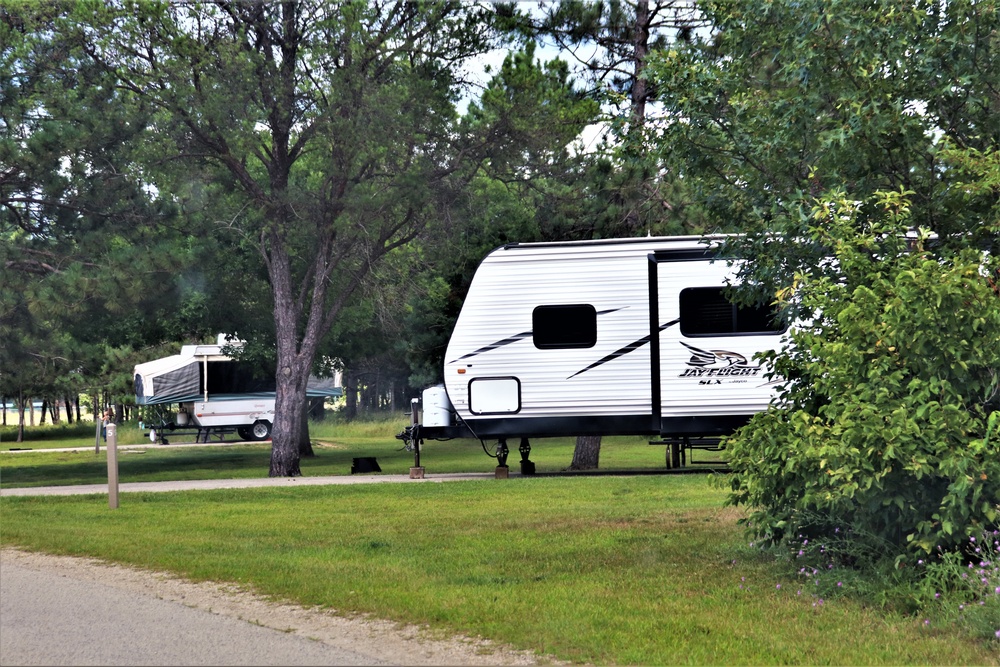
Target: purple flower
(779,587)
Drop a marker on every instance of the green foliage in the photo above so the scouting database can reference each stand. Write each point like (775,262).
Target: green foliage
(886,420)
(964,587)
(784,101)
(95,261)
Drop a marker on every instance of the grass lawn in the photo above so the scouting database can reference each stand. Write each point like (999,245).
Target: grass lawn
(606,570)
(335,445)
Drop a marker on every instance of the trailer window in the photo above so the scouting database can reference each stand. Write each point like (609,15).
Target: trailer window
(706,312)
(564,326)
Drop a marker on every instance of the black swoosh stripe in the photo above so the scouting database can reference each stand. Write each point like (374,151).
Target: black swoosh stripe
(493,346)
(631,347)
(514,339)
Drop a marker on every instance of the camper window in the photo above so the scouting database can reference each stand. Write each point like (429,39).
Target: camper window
(564,326)
(705,311)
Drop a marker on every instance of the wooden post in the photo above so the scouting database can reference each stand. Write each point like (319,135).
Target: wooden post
(98,422)
(112,465)
(417,471)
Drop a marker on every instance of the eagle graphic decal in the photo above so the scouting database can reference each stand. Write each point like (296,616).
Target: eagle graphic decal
(718,364)
(701,358)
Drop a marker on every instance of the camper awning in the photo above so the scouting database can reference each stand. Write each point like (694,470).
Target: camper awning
(327,387)
(175,379)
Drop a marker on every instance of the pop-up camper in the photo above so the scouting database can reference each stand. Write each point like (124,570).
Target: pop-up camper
(214,392)
(616,337)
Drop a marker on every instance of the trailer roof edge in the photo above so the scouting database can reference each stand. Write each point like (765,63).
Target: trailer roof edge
(619,241)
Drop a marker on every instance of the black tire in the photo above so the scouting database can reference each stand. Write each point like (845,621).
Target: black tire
(245,432)
(261,430)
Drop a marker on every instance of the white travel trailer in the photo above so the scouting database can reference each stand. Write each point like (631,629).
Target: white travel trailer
(214,393)
(615,337)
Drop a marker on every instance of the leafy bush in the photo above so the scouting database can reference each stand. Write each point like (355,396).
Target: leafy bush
(886,426)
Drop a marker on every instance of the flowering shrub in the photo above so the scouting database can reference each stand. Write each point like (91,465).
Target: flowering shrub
(960,587)
(887,422)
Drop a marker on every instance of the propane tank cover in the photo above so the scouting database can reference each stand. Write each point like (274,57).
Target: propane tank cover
(437,407)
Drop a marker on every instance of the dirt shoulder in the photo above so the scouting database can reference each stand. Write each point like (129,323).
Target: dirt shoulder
(384,640)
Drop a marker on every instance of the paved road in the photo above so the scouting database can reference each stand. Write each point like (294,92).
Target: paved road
(254,482)
(49,619)
(223,483)
(50,616)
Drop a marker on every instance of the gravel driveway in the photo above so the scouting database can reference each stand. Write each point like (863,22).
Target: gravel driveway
(68,611)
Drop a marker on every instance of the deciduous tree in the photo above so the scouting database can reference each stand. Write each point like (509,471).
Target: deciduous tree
(333,123)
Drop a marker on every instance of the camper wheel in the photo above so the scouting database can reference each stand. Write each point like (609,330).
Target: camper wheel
(244,432)
(261,430)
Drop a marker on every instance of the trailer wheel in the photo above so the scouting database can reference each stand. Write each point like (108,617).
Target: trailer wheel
(261,430)
(245,432)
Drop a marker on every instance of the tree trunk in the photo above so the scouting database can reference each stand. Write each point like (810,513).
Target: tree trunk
(294,363)
(69,409)
(640,43)
(20,415)
(286,433)
(587,452)
(350,394)
(305,444)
